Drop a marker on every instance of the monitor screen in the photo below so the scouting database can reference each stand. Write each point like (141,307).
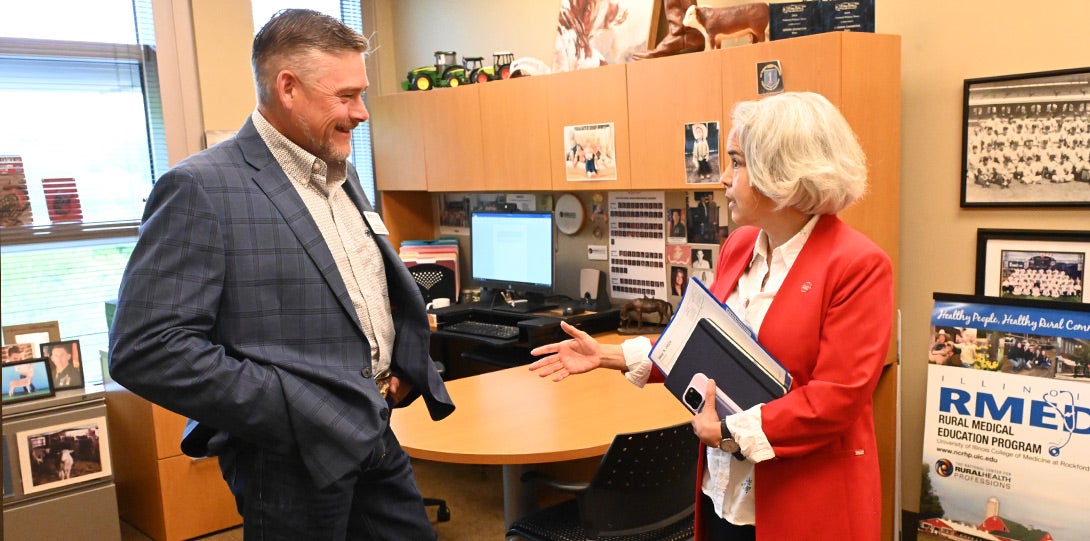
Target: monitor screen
(513,250)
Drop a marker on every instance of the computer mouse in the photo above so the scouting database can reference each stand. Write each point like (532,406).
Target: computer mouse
(571,310)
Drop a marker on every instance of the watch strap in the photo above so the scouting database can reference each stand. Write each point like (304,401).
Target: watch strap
(725,434)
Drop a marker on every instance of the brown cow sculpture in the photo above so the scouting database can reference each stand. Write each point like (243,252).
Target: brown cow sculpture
(730,22)
(635,309)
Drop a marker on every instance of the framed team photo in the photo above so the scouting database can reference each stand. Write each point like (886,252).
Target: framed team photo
(1036,265)
(1023,140)
(62,455)
(27,380)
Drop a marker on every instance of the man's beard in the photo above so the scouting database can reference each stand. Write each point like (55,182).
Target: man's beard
(324,149)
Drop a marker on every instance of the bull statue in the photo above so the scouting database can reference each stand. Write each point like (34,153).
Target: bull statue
(635,309)
(719,24)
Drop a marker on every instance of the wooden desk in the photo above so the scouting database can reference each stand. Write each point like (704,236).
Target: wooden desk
(514,418)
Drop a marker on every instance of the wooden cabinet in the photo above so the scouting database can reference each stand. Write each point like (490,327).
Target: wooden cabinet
(515,135)
(39,502)
(398,124)
(453,157)
(663,96)
(860,73)
(160,491)
(584,97)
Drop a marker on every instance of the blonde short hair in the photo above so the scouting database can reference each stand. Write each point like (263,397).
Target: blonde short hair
(801,152)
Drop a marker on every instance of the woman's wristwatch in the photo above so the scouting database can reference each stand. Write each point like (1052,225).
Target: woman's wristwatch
(727,443)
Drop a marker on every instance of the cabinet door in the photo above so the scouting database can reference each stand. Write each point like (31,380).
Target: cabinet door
(871,101)
(515,135)
(664,95)
(810,63)
(397,135)
(453,156)
(595,96)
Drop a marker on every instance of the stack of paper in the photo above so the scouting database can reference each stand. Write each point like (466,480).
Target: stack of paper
(706,340)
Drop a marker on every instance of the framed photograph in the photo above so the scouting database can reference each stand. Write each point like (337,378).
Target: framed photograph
(27,380)
(1023,140)
(66,362)
(62,455)
(35,334)
(1032,264)
(17,352)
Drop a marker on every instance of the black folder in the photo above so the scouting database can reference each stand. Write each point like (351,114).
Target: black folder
(711,354)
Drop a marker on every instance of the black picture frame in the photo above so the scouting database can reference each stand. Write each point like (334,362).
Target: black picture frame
(70,376)
(1000,253)
(32,378)
(1017,146)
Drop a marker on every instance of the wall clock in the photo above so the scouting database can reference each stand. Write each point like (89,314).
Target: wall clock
(569,214)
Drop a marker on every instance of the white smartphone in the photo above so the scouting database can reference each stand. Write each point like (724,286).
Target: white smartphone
(694,397)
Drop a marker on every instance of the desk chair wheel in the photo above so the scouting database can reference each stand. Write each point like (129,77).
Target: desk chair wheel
(443,513)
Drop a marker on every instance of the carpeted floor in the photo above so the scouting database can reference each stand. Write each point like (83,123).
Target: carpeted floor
(473,493)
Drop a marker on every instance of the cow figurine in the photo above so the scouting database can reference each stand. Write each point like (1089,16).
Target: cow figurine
(635,309)
(718,24)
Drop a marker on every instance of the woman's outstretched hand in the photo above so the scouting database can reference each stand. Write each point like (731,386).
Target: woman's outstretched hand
(579,354)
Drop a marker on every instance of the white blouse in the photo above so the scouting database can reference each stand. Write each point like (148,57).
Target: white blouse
(728,481)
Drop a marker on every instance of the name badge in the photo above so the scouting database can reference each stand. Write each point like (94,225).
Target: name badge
(375,221)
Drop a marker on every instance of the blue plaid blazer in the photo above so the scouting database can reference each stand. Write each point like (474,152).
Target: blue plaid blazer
(232,313)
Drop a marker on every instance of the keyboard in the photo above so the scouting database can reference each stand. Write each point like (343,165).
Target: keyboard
(479,328)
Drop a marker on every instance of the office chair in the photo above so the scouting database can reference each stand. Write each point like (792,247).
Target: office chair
(644,489)
(435,281)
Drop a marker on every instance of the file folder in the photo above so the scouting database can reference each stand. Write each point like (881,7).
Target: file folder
(711,353)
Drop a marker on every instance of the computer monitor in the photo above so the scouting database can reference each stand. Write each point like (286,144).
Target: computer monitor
(513,251)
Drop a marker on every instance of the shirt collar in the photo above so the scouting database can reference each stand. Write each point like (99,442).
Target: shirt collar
(789,250)
(302,167)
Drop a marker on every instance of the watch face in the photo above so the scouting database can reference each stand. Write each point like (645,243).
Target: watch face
(729,445)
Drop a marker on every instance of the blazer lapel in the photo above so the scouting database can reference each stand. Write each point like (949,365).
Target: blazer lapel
(272,180)
(803,276)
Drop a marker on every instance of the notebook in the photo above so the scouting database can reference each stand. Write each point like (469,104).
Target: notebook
(741,381)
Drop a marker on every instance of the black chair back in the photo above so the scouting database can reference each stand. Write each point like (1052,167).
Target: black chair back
(646,480)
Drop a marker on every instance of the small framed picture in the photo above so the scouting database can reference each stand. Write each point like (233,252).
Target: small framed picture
(62,455)
(66,361)
(1023,140)
(1032,264)
(27,380)
(35,334)
(17,352)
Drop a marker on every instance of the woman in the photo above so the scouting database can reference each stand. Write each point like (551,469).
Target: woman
(681,279)
(810,286)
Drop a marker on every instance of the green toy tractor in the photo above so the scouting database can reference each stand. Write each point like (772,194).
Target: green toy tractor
(500,68)
(446,72)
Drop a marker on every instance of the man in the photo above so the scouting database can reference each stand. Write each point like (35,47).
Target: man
(65,374)
(677,227)
(264,302)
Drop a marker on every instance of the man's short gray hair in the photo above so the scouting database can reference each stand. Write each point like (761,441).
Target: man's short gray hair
(290,36)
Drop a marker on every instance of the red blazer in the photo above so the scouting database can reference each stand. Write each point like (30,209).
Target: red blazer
(829,325)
